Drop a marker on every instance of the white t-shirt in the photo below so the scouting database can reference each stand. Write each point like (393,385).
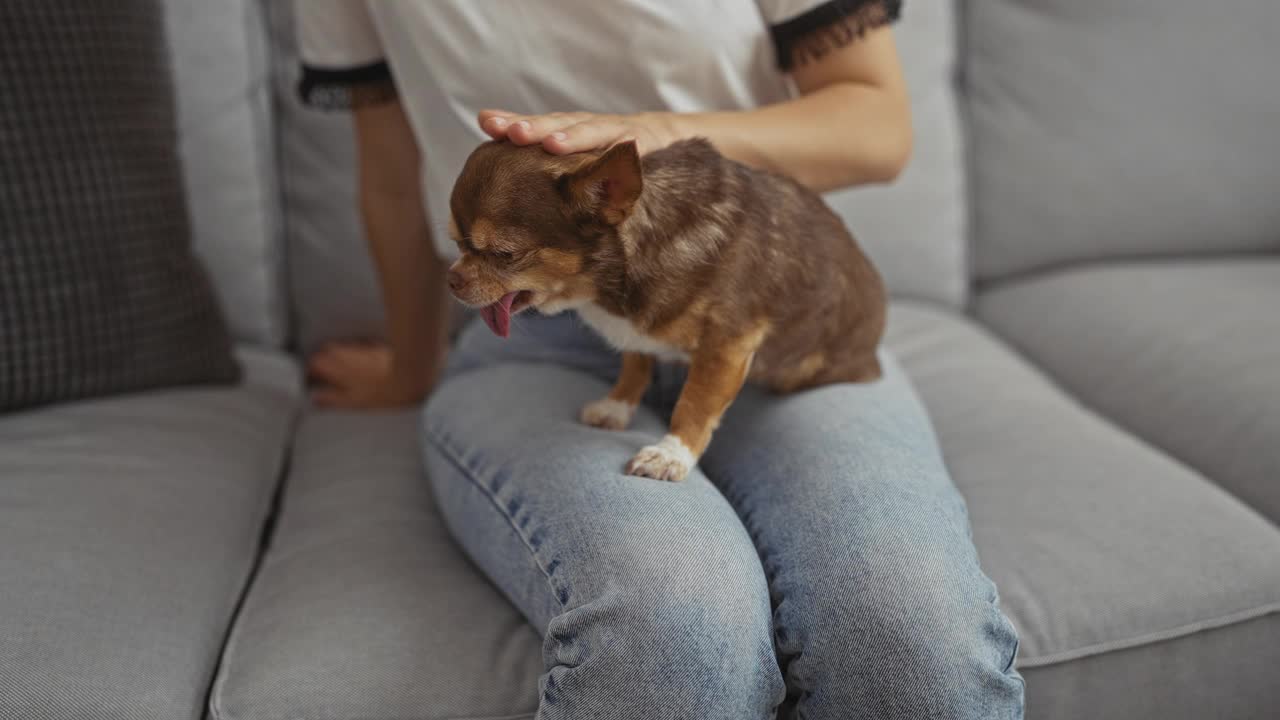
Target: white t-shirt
(448,59)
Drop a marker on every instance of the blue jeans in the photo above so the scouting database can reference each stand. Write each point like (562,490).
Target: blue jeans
(818,564)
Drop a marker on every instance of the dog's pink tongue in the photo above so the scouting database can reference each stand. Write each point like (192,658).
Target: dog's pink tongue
(497,315)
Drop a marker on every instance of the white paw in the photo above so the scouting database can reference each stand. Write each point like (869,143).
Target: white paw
(608,414)
(668,460)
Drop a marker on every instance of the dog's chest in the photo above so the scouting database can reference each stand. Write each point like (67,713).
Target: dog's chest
(622,335)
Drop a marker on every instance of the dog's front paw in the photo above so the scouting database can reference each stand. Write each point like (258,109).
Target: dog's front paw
(668,460)
(608,414)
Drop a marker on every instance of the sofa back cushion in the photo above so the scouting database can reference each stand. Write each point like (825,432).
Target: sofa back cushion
(916,228)
(333,289)
(1121,128)
(221,75)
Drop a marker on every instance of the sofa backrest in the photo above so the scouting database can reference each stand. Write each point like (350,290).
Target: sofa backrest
(914,230)
(332,287)
(1107,129)
(220,64)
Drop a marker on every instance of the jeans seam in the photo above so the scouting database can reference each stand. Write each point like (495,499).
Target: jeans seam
(447,450)
(438,440)
(747,517)
(1013,656)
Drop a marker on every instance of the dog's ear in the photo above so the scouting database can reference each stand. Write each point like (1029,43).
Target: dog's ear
(608,186)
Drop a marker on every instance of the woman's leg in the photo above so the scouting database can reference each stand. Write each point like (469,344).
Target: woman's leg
(650,594)
(881,610)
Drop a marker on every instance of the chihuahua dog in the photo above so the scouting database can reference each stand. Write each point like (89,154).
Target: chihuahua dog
(682,255)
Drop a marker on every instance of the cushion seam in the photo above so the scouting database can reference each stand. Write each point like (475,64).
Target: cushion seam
(1151,637)
(1043,271)
(274,503)
(217,708)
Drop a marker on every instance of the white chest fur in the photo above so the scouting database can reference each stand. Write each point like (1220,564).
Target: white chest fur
(622,335)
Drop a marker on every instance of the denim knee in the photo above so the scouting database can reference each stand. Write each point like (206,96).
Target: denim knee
(900,644)
(680,631)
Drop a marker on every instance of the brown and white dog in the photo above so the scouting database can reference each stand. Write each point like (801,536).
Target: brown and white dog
(683,255)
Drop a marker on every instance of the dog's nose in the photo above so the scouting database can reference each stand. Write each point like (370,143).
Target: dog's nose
(456,281)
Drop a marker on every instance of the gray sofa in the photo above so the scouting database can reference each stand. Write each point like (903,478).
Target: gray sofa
(1085,256)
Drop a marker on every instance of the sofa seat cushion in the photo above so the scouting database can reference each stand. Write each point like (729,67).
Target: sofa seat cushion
(1138,587)
(128,529)
(1121,567)
(364,607)
(1185,354)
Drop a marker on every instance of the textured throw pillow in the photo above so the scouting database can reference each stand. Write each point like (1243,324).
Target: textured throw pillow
(99,290)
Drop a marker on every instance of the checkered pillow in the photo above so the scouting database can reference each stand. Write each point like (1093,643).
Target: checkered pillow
(99,289)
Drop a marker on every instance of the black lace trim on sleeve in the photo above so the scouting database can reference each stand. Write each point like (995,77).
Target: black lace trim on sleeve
(347,88)
(829,26)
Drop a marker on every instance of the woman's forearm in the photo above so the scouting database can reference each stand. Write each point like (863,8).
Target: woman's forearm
(850,125)
(411,277)
(839,135)
(410,273)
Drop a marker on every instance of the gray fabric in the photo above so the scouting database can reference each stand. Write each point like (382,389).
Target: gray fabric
(1120,129)
(915,229)
(1226,674)
(363,607)
(1185,354)
(128,528)
(99,289)
(221,76)
(1098,543)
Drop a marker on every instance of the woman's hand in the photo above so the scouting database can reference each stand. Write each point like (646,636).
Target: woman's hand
(570,132)
(362,376)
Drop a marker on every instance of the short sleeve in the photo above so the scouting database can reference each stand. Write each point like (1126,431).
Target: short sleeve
(343,64)
(804,30)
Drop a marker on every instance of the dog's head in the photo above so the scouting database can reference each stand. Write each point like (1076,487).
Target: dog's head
(533,226)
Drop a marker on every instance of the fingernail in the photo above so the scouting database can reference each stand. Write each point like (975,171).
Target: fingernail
(500,122)
(559,136)
(524,125)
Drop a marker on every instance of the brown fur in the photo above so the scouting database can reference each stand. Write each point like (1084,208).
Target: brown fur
(716,374)
(747,272)
(633,378)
